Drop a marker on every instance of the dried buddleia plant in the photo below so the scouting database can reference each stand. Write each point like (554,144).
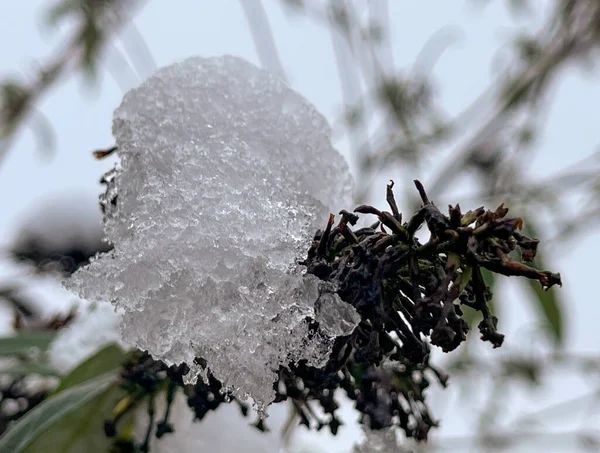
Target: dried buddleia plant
(408,297)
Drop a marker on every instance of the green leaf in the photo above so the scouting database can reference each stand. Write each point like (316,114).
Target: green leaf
(550,309)
(27,368)
(33,424)
(470,315)
(463,279)
(24,343)
(107,359)
(81,430)
(547,303)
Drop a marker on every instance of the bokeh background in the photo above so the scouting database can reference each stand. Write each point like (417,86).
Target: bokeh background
(483,101)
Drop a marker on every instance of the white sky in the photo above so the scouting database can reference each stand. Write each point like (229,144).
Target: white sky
(81,118)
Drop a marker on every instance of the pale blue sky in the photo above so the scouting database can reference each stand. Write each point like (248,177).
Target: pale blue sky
(81,118)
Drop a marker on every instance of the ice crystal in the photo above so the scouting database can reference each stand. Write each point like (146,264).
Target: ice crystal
(225,175)
(335,317)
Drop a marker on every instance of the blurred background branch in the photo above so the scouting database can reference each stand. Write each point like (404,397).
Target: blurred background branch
(96,24)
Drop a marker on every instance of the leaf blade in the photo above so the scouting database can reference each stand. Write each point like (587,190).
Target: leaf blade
(20,435)
(106,359)
(548,303)
(22,343)
(81,430)
(28,368)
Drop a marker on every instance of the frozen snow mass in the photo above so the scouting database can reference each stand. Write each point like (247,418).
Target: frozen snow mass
(225,175)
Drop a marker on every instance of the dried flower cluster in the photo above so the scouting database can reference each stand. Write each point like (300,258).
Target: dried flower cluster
(409,295)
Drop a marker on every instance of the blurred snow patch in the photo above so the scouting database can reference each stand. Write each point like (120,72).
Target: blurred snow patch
(91,330)
(225,430)
(62,222)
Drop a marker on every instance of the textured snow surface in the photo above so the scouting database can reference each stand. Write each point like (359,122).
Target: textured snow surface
(226,173)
